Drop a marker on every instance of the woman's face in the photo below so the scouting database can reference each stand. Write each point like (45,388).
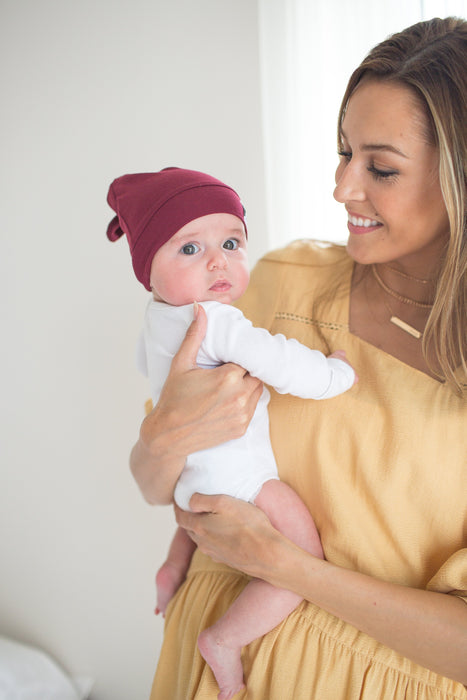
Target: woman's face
(388,179)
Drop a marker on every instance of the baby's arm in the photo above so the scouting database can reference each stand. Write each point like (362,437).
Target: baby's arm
(285,364)
(173,571)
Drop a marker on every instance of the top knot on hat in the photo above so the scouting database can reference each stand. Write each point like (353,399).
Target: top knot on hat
(151,207)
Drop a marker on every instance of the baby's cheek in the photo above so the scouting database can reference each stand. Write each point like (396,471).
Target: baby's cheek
(243,278)
(176,289)
(181,290)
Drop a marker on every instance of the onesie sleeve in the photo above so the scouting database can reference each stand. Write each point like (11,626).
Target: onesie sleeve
(285,364)
(452,576)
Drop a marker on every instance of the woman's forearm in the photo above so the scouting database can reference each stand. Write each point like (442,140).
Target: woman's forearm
(427,627)
(155,461)
(156,491)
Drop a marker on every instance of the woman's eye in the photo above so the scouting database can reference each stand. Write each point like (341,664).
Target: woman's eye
(346,155)
(382,174)
(190,249)
(231,244)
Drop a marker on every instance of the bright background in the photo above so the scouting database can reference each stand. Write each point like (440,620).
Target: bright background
(245,90)
(308,50)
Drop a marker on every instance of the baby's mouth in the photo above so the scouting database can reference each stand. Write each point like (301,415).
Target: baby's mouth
(220,286)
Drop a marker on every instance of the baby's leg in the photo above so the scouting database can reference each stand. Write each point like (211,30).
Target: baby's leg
(260,607)
(173,571)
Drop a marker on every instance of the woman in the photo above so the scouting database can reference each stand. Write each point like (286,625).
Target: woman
(382,468)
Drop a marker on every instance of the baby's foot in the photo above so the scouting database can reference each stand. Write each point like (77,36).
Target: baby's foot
(225,663)
(168,581)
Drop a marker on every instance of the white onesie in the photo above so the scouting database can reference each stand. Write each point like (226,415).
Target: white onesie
(239,467)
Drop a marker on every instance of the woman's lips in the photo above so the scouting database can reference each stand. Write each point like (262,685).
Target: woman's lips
(361,224)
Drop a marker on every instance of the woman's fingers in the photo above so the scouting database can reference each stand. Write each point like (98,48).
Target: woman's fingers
(200,503)
(227,529)
(185,359)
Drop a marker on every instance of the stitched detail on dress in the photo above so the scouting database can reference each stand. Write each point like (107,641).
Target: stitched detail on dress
(285,316)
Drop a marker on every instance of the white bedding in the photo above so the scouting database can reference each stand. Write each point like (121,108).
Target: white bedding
(27,673)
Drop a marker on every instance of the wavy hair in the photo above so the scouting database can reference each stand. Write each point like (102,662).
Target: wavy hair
(430,58)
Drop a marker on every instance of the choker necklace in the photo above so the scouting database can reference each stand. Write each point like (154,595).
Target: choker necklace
(403,325)
(410,277)
(396,295)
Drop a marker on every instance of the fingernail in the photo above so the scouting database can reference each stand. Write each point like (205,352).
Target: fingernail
(195,310)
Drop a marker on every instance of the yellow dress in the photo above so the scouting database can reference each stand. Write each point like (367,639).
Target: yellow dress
(383,470)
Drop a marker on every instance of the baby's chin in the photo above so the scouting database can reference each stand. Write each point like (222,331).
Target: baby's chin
(223,297)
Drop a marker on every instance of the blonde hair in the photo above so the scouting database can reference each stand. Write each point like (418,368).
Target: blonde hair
(430,58)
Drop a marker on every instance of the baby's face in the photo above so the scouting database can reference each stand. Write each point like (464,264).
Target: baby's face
(205,260)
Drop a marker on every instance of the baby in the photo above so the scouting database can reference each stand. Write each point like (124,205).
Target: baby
(188,237)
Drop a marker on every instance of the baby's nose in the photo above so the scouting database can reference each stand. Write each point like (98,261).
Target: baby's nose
(217,261)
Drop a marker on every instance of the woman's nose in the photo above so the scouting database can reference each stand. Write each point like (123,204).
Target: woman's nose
(349,184)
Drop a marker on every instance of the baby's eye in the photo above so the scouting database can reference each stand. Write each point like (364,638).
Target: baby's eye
(190,249)
(230,244)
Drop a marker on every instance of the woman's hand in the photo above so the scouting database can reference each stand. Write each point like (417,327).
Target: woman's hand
(197,409)
(233,532)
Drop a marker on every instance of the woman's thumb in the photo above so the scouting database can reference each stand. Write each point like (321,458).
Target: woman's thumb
(185,358)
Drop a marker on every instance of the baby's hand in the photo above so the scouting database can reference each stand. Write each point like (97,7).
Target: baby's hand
(340,355)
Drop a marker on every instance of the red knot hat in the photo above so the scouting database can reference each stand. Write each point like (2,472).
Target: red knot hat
(152,207)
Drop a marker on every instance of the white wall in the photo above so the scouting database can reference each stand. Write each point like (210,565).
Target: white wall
(91,90)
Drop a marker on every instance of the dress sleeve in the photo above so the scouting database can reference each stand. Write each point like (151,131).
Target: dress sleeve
(452,576)
(285,364)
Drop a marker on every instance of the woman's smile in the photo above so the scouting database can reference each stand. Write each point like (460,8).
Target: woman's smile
(360,224)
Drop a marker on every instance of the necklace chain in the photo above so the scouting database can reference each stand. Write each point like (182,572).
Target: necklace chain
(396,295)
(410,277)
(395,320)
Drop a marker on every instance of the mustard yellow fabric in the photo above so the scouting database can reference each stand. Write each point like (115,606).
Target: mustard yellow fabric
(383,470)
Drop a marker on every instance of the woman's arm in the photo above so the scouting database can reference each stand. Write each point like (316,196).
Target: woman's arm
(197,409)
(429,628)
